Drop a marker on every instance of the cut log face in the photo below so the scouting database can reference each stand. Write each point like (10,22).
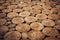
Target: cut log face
(14,34)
